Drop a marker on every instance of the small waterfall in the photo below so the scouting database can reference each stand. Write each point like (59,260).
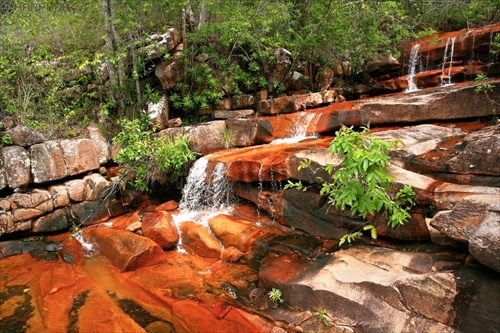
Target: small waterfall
(259,195)
(412,68)
(449,60)
(298,129)
(202,194)
(301,123)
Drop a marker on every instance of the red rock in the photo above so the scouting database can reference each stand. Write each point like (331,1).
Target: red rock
(125,250)
(239,233)
(110,317)
(167,206)
(198,239)
(251,164)
(160,227)
(123,221)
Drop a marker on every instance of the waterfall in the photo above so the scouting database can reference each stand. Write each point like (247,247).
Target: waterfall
(449,41)
(298,129)
(301,123)
(412,68)
(202,194)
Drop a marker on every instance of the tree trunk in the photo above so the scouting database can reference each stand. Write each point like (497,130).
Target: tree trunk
(135,74)
(184,45)
(203,14)
(110,48)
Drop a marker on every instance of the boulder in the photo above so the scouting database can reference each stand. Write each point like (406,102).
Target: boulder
(325,77)
(125,250)
(358,284)
(37,198)
(60,195)
(277,105)
(242,102)
(205,138)
(80,156)
(17,166)
(480,155)
(169,72)
(3,179)
(167,206)
(443,103)
(158,113)
(77,189)
(278,70)
(6,223)
(381,64)
(89,212)
(26,214)
(227,114)
(58,220)
(249,132)
(197,238)
(484,244)
(24,136)
(241,234)
(161,44)
(475,220)
(102,147)
(160,227)
(47,162)
(98,187)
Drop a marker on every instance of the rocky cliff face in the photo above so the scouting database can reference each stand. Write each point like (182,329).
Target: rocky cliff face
(167,270)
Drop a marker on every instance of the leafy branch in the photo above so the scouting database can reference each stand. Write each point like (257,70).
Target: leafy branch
(361,183)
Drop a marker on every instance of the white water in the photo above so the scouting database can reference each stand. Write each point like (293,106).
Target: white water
(412,68)
(88,248)
(298,129)
(203,194)
(446,80)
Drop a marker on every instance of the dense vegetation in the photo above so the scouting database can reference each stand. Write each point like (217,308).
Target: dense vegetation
(64,64)
(151,162)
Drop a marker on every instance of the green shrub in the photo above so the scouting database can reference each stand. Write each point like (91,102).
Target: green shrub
(361,182)
(152,159)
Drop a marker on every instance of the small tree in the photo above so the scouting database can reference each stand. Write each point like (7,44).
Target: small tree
(361,182)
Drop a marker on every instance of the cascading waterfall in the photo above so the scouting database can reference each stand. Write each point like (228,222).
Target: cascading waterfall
(201,194)
(414,56)
(449,60)
(301,123)
(259,196)
(298,129)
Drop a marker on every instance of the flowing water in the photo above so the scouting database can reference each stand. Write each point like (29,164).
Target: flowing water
(447,59)
(299,128)
(414,57)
